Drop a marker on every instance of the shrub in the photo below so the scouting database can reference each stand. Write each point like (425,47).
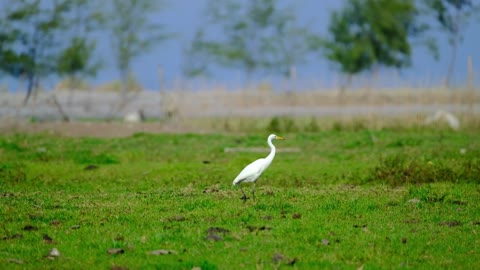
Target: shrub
(12,172)
(312,126)
(402,169)
(282,125)
(274,125)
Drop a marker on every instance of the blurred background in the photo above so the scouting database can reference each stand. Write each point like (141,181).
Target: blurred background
(137,60)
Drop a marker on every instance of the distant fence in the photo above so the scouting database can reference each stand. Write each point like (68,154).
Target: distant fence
(253,103)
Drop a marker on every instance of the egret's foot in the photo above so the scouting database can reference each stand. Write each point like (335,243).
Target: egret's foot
(244,198)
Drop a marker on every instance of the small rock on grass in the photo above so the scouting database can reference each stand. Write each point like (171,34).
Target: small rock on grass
(54,253)
(213,233)
(163,252)
(213,237)
(414,200)
(217,230)
(114,251)
(15,261)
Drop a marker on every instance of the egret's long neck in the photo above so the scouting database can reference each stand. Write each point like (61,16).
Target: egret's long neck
(270,156)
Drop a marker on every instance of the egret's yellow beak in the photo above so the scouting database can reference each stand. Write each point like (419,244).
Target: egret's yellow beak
(279,138)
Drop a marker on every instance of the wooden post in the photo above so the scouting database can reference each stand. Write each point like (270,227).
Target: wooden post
(471,91)
(161,80)
(163,103)
(293,78)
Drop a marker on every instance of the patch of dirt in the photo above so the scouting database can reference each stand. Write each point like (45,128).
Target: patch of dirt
(114,251)
(176,218)
(214,233)
(258,228)
(30,228)
(452,223)
(297,216)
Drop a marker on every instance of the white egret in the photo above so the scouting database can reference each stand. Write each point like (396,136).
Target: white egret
(256,168)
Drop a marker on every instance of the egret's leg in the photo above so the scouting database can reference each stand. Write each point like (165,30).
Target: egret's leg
(244,195)
(253,191)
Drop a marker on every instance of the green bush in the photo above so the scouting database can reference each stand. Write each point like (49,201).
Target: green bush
(401,169)
(12,172)
(282,125)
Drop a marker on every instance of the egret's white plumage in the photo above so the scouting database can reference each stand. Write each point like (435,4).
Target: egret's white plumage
(256,168)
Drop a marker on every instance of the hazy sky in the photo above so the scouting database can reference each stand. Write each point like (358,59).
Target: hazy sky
(183,17)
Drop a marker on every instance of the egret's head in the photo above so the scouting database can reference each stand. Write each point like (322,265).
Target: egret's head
(275,137)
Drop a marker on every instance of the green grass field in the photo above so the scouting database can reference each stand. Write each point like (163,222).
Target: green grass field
(349,199)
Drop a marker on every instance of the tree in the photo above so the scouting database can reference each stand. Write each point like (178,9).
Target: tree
(35,32)
(7,38)
(257,35)
(196,57)
(76,60)
(367,34)
(453,17)
(290,43)
(133,31)
(31,52)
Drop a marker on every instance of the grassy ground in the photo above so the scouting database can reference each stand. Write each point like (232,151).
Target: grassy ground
(351,198)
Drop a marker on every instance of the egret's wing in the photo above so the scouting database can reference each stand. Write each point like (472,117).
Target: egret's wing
(252,169)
